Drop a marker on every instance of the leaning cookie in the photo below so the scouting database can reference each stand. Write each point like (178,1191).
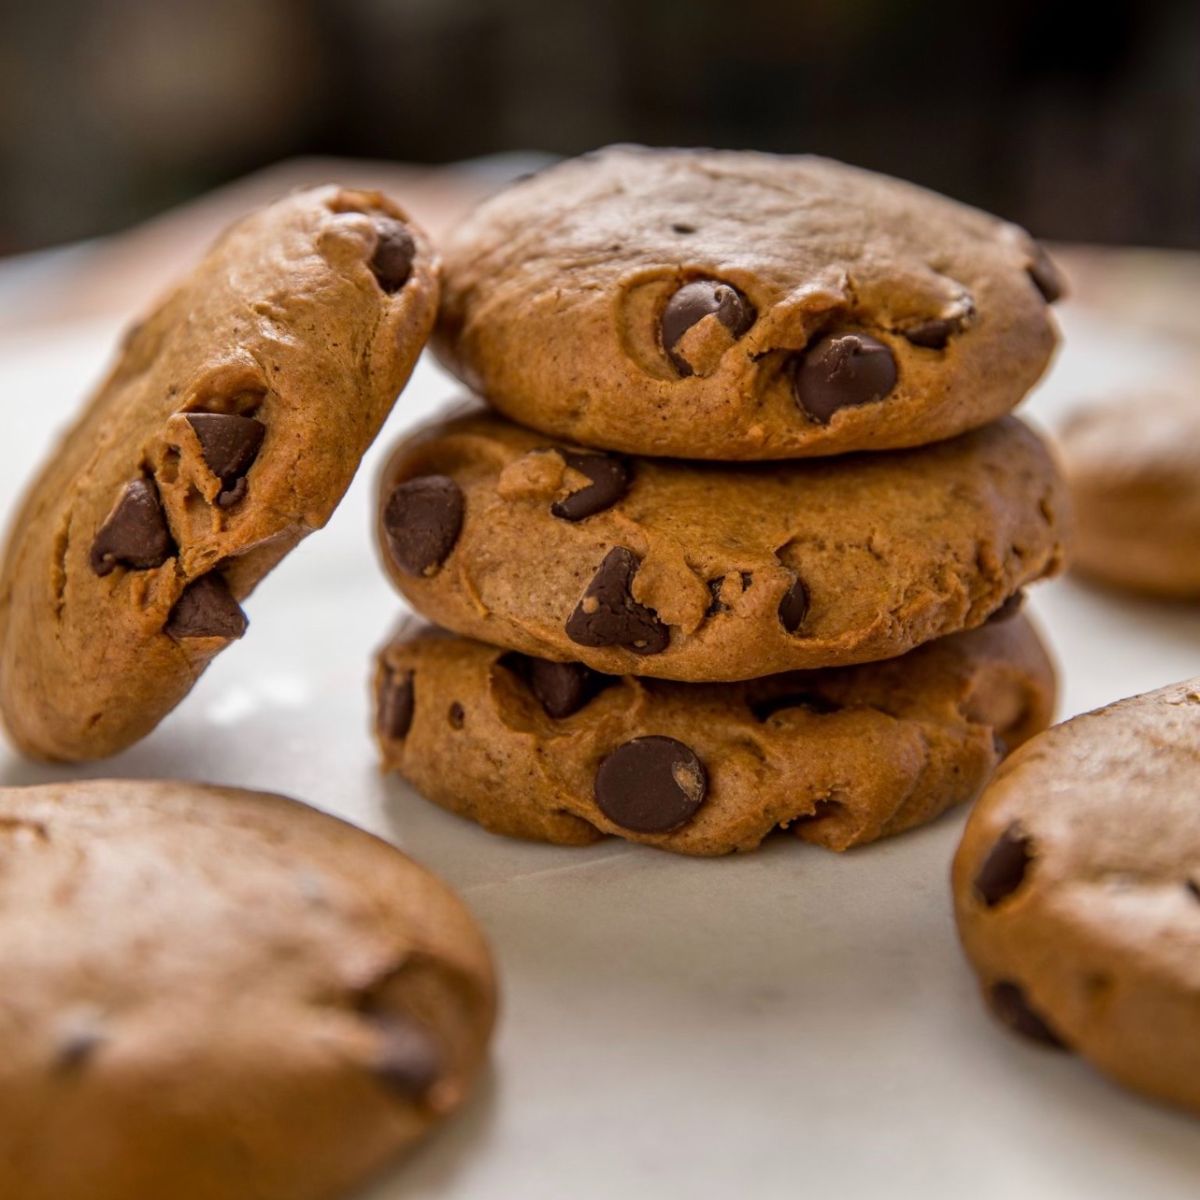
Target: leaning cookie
(711,573)
(1133,468)
(1077,889)
(556,752)
(230,426)
(212,994)
(733,305)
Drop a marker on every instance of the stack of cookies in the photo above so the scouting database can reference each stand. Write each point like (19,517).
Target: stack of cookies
(752,559)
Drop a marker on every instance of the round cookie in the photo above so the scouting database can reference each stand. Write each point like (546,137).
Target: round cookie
(734,305)
(1077,889)
(212,994)
(1133,469)
(230,426)
(708,573)
(556,752)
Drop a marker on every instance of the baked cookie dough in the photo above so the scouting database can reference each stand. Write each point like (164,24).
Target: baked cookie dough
(213,994)
(708,573)
(1133,468)
(230,426)
(1077,889)
(556,752)
(734,305)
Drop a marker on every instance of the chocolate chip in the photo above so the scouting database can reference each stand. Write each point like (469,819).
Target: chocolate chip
(409,1060)
(230,444)
(206,609)
(1045,275)
(562,689)
(842,370)
(793,608)
(1008,609)
(716,605)
(456,715)
(695,301)
(394,253)
(682,227)
(1194,888)
(135,533)
(1003,871)
(1010,1006)
(767,706)
(608,615)
(609,482)
(394,703)
(932,334)
(423,519)
(747,578)
(651,785)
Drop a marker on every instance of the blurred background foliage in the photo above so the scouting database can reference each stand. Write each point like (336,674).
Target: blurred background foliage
(1082,121)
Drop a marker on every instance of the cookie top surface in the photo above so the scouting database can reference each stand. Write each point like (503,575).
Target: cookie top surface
(1133,467)
(737,305)
(840,757)
(704,572)
(213,993)
(1077,888)
(229,427)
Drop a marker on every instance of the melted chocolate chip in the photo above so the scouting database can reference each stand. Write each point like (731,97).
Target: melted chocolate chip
(608,615)
(1008,1002)
(230,444)
(206,609)
(842,370)
(609,482)
(1004,869)
(767,706)
(394,702)
(1045,275)
(1008,609)
(395,250)
(793,607)
(562,689)
(651,785)
(135,533)
(409,1060)
(423,519)
(695,301)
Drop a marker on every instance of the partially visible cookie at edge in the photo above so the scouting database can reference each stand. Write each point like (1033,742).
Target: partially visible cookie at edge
(1077,891)
(559,753)
(229,427)
(737,305)
(213,993)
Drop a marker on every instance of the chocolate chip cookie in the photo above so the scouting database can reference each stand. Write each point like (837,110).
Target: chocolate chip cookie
(1133,468)
(557,752)
(1077,888)
(733,305)
(707,573)
(212,994)
(230,426)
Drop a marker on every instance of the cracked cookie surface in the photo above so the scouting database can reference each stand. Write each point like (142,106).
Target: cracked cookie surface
(556,752)
(229,427)
(704,572)
(1077,891)
(736,305)
(213,993)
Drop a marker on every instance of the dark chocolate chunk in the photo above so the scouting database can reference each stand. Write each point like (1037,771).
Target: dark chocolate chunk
(1004,869)
(793,607)
(135,533)
(610,481)
(767,706)
(842,370)
(394,703)
(1010,1006)
(423,519)
(1008,609)
(1045,275)
(409,1060)
(394,253)
(608,615)
(206,609)
(651,785)
(561,688)
(695,301)
(230,444)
